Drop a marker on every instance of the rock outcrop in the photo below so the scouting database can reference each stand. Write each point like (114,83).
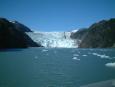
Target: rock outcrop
(20,26)
(12,35)
(99,35)
(80,34)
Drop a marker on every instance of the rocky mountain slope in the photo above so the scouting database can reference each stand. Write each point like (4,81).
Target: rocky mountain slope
(98,35)
(12,35)
(20,26)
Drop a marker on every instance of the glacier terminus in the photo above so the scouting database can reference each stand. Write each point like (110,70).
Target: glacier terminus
(54,39)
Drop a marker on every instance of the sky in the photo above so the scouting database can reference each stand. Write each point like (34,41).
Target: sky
(57,15)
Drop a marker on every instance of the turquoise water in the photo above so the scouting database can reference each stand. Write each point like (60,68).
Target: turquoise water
(56,67)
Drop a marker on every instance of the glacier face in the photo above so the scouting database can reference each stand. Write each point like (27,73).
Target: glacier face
(54,39)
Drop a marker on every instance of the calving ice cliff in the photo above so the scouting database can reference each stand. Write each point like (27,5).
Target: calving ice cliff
(54,39)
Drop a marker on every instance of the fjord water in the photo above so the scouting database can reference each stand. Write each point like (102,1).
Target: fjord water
(56,67)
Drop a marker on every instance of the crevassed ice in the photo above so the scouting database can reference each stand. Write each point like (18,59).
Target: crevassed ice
(54,39)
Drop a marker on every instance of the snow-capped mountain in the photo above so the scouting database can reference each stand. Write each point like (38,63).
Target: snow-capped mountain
(54,39)
(73,31)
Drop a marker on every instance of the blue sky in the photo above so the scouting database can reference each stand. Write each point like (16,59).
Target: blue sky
(57,15)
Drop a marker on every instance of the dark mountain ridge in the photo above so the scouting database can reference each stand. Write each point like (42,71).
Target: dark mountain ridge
(98,35)
(19,26)
(12,35)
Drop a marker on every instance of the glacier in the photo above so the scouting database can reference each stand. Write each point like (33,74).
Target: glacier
(54,39)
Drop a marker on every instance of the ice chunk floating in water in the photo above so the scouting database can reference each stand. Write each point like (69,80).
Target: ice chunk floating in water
(112,65)
(84,55)
(54,39)
(101,55)
(75,55)
(44,50)
(75,58)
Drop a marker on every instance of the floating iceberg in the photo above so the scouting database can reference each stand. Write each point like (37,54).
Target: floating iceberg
(112,65)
